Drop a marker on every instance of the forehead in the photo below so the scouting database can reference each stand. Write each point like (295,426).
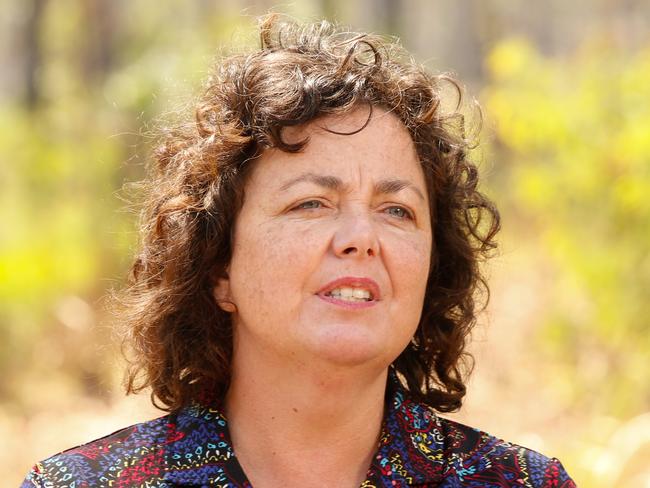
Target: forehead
(362,124)
(373,143)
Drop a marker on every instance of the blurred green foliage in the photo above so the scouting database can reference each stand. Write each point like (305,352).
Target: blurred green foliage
(573,135)
(67,230)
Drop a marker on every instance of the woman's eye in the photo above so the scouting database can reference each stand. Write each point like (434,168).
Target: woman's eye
(309,204)
(400,212)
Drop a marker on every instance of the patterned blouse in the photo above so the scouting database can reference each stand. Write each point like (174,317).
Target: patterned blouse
(192,448)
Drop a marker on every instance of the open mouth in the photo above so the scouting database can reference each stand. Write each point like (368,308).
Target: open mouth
(350,294)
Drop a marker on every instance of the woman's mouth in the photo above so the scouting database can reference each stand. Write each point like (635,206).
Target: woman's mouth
(351,292)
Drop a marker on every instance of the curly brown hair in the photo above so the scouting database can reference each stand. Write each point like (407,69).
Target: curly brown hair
(180,339)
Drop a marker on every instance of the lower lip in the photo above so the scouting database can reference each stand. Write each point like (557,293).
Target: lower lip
(346,304)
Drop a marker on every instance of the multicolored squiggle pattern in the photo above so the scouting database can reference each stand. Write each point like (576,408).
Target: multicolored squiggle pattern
(192,448)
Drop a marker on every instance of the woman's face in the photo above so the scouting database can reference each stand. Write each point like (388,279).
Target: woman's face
(349,215)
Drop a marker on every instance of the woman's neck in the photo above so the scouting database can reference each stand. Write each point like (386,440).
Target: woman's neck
(304,427)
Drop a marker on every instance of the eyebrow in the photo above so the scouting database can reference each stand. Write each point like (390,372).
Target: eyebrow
(335,183)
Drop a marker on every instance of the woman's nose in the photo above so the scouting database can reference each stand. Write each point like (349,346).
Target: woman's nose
(356,236)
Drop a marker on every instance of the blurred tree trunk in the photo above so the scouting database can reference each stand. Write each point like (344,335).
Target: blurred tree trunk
(389,15)
(469,44)
(98,56)
(33,53)
(545,15)
(328,9)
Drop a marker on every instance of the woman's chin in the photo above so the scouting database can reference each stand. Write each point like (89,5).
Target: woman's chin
(349,347)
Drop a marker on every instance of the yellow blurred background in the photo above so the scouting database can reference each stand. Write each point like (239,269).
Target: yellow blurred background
(563,350)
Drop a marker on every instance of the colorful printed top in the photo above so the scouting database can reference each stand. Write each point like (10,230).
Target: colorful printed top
(192,448)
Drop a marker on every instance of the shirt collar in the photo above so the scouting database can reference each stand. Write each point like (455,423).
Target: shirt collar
(411,446)
(410,451)
(199,450)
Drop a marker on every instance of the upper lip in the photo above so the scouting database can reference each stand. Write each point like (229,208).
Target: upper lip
(353,282)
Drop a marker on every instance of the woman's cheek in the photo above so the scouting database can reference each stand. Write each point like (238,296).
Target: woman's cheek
(412,259)
(287,255)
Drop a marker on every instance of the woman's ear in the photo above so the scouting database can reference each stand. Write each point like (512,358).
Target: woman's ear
(222,295)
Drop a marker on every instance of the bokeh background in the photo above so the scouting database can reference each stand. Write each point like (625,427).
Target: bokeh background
(563,351)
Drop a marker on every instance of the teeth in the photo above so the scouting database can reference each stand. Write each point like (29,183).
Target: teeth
(351,294)
(356,293)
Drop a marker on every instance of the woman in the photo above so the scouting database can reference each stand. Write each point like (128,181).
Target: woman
(308,270)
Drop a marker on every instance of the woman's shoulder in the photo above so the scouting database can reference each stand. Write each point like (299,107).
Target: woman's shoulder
(94,462)
(473,454)
(421,447)
(188,447)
